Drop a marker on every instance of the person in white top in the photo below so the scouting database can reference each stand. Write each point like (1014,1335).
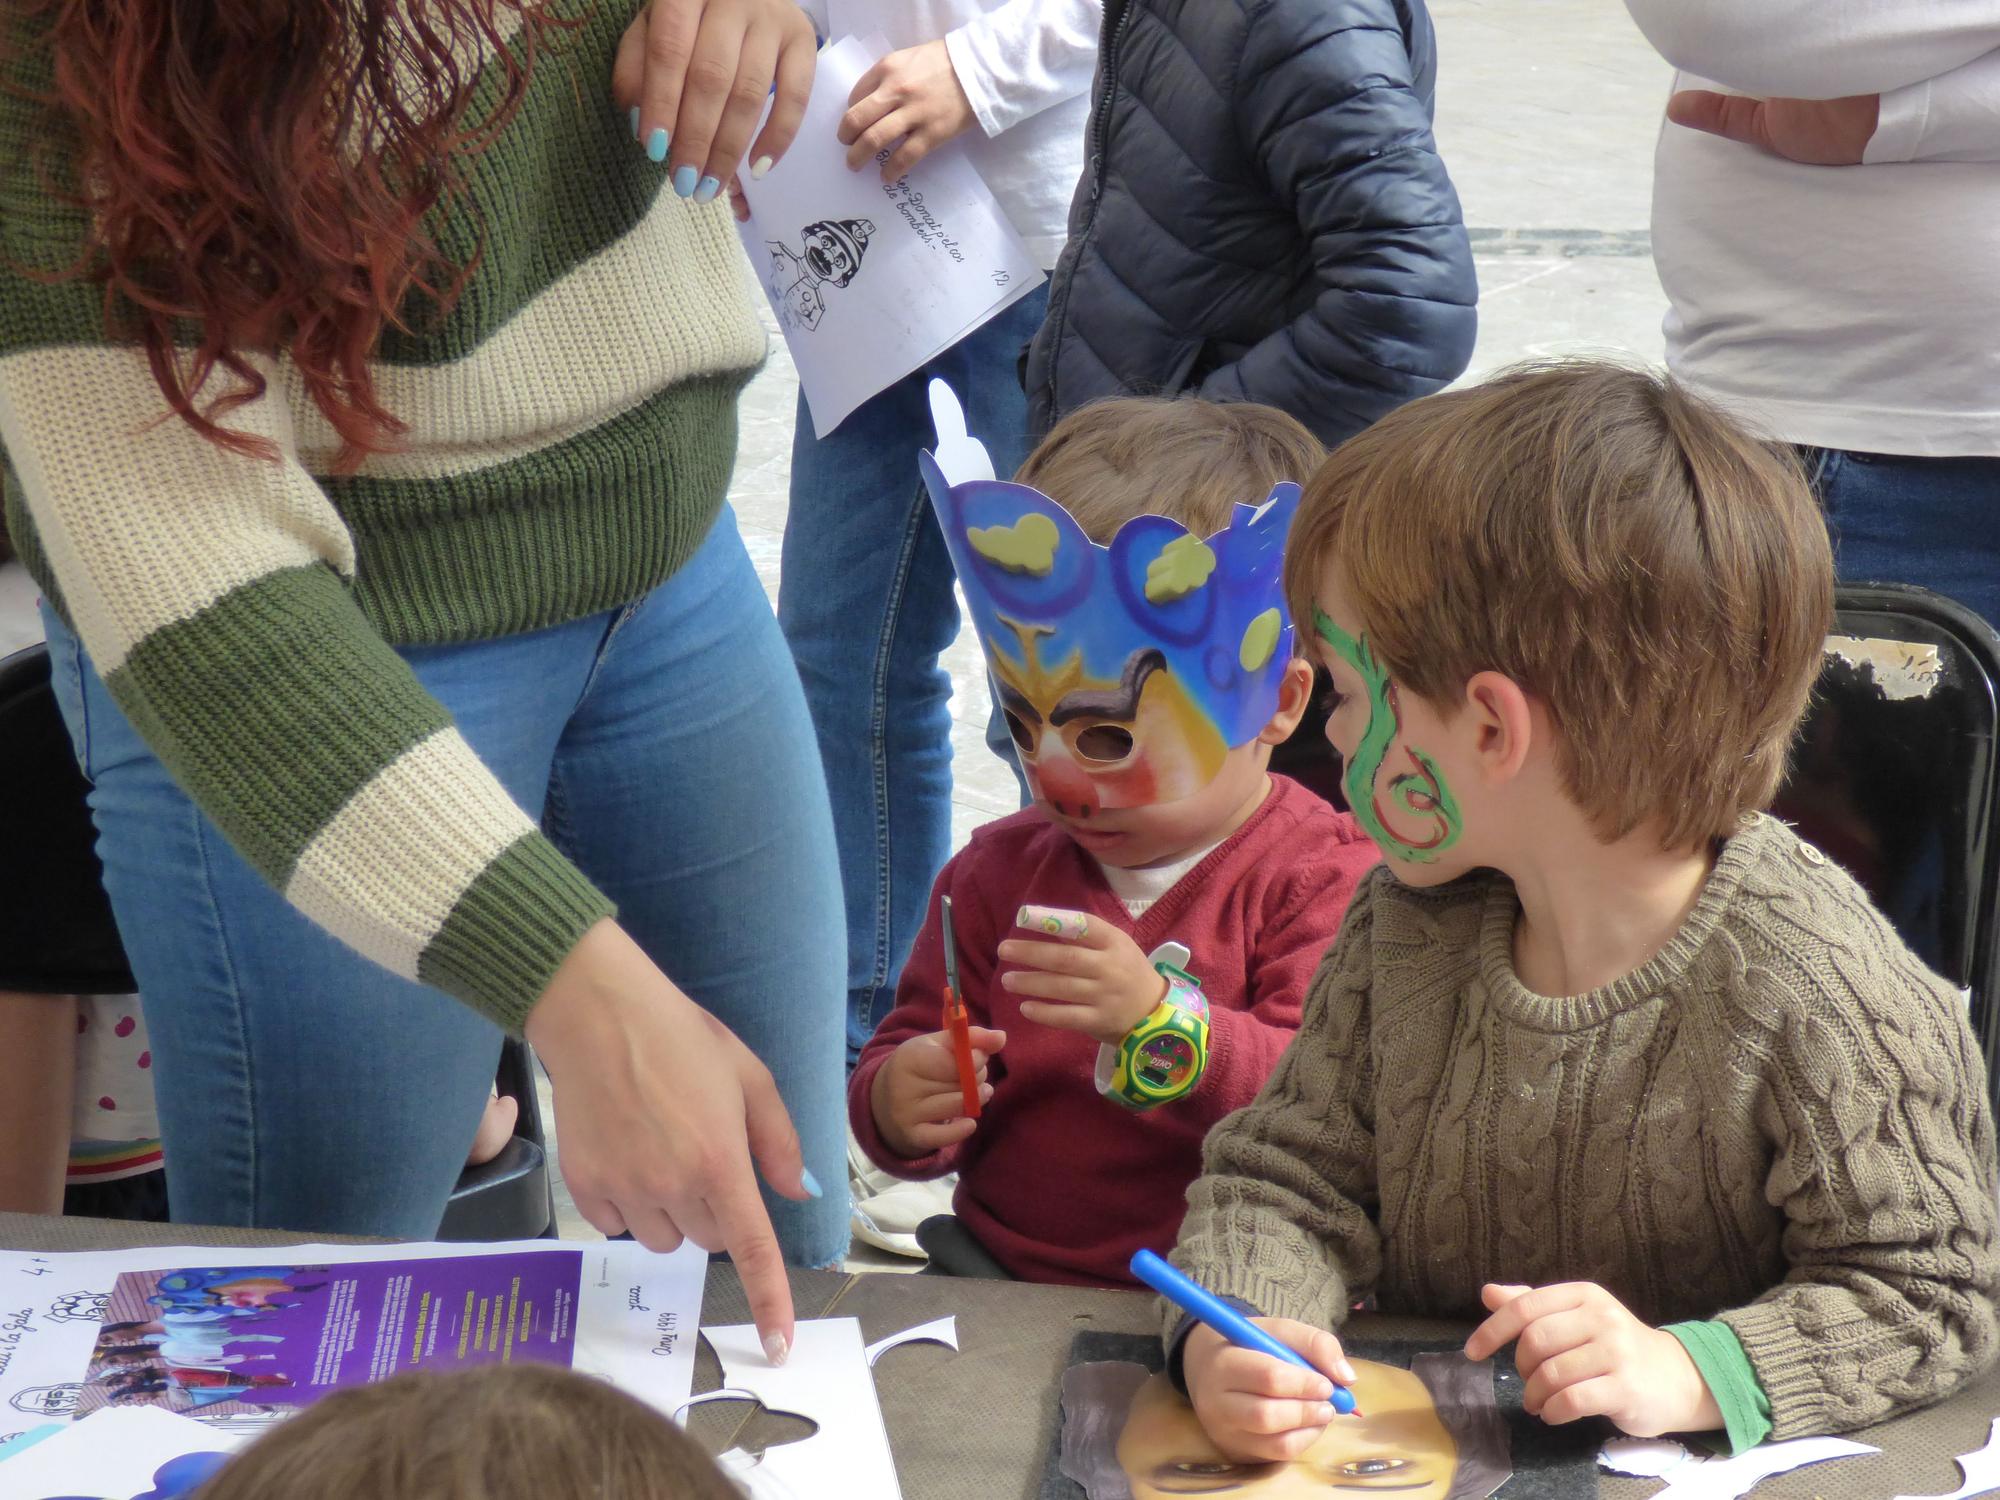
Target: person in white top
(865,593)
(1826,222)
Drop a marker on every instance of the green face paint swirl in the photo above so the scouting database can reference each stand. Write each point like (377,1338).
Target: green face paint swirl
(1419,792)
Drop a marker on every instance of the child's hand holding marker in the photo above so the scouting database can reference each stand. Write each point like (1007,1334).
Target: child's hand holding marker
(1264,1388)
(1583,1353)
(918,1105)
(1258,1409)
(1091,978)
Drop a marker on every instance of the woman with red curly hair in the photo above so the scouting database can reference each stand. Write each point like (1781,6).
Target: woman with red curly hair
(368,381)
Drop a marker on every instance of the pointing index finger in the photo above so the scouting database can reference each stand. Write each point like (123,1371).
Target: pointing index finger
(753,1248)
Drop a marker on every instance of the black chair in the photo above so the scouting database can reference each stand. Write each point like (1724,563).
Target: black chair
(1896,775)
(57,936)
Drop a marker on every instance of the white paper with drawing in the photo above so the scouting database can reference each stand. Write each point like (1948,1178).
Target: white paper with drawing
(870,279)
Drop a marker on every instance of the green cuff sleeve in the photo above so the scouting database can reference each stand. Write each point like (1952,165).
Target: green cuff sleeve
(1732,1380)
(511,931)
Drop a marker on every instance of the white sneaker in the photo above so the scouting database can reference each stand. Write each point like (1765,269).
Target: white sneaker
(887,1210)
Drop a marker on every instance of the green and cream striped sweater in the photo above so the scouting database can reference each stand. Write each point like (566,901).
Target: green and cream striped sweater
(572,429)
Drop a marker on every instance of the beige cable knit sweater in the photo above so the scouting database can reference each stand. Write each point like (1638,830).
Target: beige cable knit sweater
(1780,1122)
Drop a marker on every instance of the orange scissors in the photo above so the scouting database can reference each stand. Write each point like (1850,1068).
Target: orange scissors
(956,1022)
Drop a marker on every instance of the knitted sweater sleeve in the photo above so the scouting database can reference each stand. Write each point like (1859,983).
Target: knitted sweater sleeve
(1883,1167)
(212,591)
(1283,1216)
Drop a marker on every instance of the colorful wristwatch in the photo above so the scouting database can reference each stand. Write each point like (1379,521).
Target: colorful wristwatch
(1163,1057)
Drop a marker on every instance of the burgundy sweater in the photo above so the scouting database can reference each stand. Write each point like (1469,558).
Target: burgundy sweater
(1060,1183)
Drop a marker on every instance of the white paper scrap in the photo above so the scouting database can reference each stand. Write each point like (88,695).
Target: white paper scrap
(938,1331)
(1694,1478)
(1642,1458)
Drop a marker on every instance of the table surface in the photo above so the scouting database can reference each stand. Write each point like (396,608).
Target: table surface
(979,1422)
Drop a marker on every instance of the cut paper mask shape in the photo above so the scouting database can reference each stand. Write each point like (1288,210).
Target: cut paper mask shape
(1432,1432)
(1981,1469)
(938,1331)
(1127,671)
(1689,1477)
(747,1466)
(826,1381)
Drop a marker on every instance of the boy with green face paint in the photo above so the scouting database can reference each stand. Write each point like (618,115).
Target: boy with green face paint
(1604,1059)
(1421,792)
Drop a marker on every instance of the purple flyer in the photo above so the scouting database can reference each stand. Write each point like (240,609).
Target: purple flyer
(237,1339)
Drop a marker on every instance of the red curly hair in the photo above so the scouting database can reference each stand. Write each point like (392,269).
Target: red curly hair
(257,176)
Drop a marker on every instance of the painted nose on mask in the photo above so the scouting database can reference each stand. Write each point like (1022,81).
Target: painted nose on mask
(1066,787)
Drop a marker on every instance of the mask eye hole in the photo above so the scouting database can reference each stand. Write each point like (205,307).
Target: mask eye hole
(1104,743)
(1023,735)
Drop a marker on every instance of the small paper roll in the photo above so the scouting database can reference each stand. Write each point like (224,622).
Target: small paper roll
(1055,921)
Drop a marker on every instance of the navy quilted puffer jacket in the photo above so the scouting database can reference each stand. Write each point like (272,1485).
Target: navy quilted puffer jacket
(1263,216)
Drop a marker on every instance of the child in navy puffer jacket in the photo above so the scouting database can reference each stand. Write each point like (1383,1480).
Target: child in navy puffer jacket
(1263,216)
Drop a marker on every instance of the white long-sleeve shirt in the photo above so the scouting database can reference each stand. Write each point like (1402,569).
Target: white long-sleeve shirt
(1848,307)
(1026,67)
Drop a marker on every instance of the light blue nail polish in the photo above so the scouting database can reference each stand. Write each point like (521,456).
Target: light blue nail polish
(656,144)
(635,122)
(684,181)
(707,191)
(806,1179)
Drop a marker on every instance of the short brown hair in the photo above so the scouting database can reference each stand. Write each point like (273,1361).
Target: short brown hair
(1619,548)
(514,1432)
(1186,459)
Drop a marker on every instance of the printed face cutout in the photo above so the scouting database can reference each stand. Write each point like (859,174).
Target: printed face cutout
(1400,1448)
(1397,792)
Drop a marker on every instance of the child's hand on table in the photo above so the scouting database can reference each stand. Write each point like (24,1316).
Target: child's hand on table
(1257,1409)
(1583,1354)
(916,1099)
(1093,980)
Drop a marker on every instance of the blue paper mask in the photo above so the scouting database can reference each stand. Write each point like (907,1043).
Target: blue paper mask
(1128,672)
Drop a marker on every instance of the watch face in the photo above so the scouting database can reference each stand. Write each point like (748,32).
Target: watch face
(1165,1062)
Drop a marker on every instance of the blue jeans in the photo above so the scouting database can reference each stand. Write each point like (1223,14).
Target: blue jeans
(865,598)
(664,745)
(1928,521)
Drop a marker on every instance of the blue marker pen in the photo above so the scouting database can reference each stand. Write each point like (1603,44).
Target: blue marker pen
(1204,1307)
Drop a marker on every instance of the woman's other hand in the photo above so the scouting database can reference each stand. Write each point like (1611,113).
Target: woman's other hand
(699,72)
